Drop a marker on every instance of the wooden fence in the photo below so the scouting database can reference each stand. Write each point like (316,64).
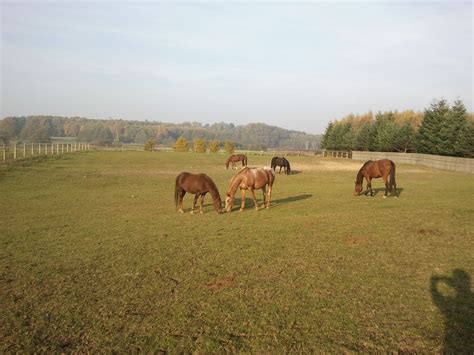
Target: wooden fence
(433,161)
(12,152)
(337,154)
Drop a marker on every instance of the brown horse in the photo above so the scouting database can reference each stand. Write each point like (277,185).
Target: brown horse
(234,159)
(374,169)
(198,184)
(250,179)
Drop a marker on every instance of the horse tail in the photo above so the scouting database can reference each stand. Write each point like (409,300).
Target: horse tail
(245,160)
(392,177)
(288,167)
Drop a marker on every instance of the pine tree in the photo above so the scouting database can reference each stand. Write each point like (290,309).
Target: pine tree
(465,142)
(363,137)
(433,132)
(457,124)
(326,135)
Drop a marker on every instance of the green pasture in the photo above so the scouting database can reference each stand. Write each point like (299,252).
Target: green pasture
(93,256)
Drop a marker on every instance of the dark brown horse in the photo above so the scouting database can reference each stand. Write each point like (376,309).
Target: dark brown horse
(198,184)
(282,163)
(375,169)
(234,159)
(250,179)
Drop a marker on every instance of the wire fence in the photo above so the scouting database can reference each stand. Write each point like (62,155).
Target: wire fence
(12,152)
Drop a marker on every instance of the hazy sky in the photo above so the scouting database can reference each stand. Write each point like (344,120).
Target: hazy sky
(294,65)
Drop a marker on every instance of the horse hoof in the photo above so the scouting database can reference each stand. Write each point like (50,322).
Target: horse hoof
(181,211)
(192,212)
(241,210)
(384,196)
(201,212)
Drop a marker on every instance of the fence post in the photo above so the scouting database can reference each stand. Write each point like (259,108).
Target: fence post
(14,152)
(4,153)
(32,149)
(24,150)
(39,148)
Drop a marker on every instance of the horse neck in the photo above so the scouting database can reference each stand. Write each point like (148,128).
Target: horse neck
(213,190)
(360,176)
(234,184)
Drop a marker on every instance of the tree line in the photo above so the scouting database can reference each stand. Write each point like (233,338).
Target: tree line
(254,136)
(441,129)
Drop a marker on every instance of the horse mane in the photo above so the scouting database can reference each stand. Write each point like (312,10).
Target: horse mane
(360,175)
(232,188)
(213,190)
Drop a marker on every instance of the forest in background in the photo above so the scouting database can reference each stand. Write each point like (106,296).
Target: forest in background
(253,136)
(441,129)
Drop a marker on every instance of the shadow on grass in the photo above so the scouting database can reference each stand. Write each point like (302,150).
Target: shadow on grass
(273,203)
(293,172)
(289,199)
(382,191)
(458,310)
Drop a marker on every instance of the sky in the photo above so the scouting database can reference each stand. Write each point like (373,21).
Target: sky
(296,65)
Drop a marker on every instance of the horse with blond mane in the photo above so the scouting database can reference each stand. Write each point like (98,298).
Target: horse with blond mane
(234,159)
(250,179)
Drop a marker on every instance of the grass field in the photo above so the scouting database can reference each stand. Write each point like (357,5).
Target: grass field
(95,257)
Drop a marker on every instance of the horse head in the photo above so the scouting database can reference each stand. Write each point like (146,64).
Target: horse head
(217,204)
(357,189)
(229,203)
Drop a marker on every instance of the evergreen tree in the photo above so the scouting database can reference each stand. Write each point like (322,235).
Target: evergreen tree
(457,123)
(432,134)
(363,137)
(326,135)
(465,142)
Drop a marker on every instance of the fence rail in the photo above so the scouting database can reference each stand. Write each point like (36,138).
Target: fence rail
(337,154)
(12,152)
(433,161)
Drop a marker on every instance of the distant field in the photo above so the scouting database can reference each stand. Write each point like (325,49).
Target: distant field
(93,256)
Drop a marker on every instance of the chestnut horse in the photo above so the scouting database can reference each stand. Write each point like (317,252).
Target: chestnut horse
(282,163)
(234,159)
(198,184)
(250,179)
(374,169)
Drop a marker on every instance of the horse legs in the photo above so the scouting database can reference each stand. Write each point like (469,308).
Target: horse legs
(387,185)
(242,205)
(254,199)
(180,201)
(194,204)
(279,172)
(369,186)
(269,194)
(264,192)
(202,202)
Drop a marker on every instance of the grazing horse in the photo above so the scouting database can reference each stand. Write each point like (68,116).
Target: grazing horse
(198,184)
(234,159)
(250,179)
(282,163)
(374,169)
